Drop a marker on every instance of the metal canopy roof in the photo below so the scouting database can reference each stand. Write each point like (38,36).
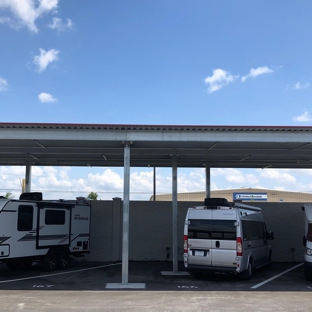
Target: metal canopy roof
(153,145)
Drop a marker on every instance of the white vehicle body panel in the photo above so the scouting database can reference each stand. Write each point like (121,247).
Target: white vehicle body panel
(308,236)
(32,228)
(212,238)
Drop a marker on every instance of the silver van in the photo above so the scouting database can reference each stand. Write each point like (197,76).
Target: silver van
(226,238)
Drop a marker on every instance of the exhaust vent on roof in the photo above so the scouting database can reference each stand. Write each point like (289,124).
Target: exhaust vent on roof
(31,196)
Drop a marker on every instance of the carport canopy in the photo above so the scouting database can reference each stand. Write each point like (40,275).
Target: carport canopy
(195,146)
(100,145)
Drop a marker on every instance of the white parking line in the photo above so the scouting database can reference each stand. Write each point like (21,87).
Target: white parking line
(276,276)
(61,273)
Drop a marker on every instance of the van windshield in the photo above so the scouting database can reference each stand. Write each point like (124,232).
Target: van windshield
(212,229)
(309,234)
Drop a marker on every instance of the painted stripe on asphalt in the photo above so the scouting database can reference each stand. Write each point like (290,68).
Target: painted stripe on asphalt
(61,273)
(276,276)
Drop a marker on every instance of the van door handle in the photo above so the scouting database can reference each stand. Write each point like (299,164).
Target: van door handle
(249,245)
(217,244)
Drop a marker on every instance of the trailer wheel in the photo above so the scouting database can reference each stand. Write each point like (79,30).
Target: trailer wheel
(49,262)
(63,260)
(12,264)
(26,263)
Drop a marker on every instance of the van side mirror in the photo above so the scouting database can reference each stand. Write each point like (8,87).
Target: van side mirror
(270,235)
(304,241)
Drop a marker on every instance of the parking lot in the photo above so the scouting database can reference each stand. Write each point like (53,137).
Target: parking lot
(83,288)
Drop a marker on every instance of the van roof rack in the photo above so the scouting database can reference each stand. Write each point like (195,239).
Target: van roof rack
(214,202)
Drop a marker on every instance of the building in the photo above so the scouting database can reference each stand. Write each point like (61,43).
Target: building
(243,194)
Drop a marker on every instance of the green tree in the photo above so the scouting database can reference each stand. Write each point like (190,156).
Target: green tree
(9,195)
(93,196)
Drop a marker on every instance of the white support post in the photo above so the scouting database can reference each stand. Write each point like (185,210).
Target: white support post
(154,183)
(125,236)
(125,242)
(28,178)
(174,214)
(207,181)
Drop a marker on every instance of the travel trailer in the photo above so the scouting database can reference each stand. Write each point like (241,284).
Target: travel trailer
(32,229)
(307,241)
(226,238)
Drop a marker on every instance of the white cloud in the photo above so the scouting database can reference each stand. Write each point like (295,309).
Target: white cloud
(46,98)
(3,85)
(58,24)
(305,117)
(254,72)
(298,86)
(8,21)
(282,177)
(251,179)
(45,58)
(69,182)
(27,12)
(219,79)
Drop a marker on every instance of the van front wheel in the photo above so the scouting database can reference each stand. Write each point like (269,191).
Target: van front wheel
(307,273)
(246,275)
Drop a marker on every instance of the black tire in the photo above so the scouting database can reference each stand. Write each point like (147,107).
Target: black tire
(63,261)
(196,273)
(49,262)
(270,261)
(26,263)
(307,273)
(12,264)
(246,275)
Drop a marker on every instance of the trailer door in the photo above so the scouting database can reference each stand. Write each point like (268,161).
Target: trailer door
(53,227)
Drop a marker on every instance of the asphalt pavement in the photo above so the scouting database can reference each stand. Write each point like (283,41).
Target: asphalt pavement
(83,287)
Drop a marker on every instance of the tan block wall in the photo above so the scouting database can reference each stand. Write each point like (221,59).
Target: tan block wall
(150,230)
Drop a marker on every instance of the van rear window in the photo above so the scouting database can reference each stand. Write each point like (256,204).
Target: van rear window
(212,229)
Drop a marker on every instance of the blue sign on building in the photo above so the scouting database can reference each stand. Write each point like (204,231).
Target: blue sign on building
(250,196)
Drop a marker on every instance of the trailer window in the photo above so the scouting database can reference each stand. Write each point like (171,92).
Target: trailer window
(212,229)
(25,218)
(54,217)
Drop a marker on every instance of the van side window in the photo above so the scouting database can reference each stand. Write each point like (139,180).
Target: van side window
(54,217)
(25,218)
(253,230)
(309,234)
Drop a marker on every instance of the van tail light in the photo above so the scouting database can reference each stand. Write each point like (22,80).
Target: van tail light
(185,243)
(239,246)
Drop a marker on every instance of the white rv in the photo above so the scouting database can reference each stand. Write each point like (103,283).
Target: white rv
(32,229)
(307,241)
(225,238)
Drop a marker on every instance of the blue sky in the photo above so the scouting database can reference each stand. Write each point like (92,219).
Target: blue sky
(158,62)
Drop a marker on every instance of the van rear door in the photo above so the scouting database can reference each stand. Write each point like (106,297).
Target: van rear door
(223,238)
(199,238)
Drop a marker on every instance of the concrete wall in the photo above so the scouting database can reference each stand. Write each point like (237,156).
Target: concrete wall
(150,230)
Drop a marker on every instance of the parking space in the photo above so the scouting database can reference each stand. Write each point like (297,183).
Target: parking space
(86,276)
(83,288)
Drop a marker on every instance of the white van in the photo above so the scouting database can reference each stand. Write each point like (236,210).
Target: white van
(307,241)
(226,238)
